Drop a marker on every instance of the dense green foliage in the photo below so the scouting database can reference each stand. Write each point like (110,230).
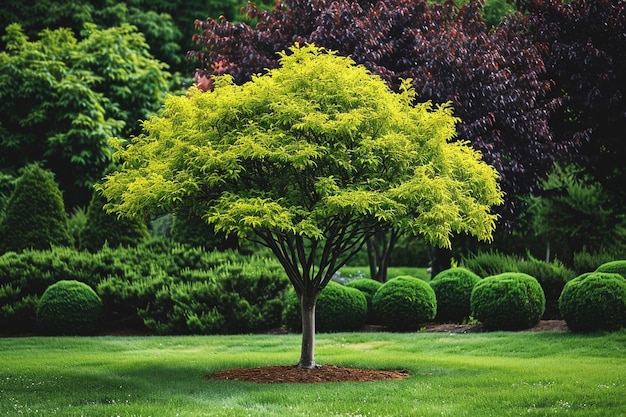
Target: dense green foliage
(62,99)
(575,212)
(551,275)
(69,308)
(339,309)
(404,302)
(368,287)
(103,228)
(508,301)
(232,298)
(616,267)
(128,279)
(35,214)
(594,301)
(453,289)
(192,230)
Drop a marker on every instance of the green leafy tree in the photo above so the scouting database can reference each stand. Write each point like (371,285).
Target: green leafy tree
(309,160)
(35,214)
(61,100)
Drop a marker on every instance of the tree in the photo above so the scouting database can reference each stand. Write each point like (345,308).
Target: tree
(35,215)
(583,46)
(574,213)
(309,160)
(62,99)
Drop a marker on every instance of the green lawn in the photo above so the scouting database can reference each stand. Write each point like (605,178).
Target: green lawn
(482,374)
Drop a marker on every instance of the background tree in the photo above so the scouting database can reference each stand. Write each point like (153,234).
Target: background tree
(35,215)
(167,25)
(309,160)
(584,49)
(574,213)
(62,99)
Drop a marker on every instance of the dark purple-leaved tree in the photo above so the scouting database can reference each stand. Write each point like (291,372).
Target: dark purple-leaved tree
(583,46)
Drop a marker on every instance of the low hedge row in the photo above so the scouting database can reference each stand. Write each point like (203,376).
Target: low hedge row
(246,290)
(177,289)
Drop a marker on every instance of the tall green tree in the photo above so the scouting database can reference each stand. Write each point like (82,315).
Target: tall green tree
(309,160)
(61,100)
(35,214)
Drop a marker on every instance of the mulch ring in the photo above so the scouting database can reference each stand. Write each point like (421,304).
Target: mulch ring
(332,373)
(293,374)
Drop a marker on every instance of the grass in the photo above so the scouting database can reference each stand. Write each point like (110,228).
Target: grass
(481,374)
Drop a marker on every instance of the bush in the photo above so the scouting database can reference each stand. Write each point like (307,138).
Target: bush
(589,261)
(486,264)
(552,277)
(339,308)
(508,301)
(128,279)
(402,303)
(102,227)
(35,214)
(613,267)
(368,287)
(453,289)
(594,301)
(69,308)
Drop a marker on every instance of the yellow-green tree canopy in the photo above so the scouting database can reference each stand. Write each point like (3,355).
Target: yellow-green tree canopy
(310,159)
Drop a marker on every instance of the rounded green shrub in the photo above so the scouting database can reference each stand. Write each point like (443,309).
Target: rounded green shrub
(368,287)
(613,267)
(508,301)
(453,289)
(339,308)
(402,303)
(594,301)
(69,307)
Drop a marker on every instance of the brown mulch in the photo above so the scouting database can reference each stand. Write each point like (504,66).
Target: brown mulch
(331,373)
(293,374)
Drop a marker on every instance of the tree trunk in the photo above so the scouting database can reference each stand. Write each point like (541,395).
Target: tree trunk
(307,352)
(441,260)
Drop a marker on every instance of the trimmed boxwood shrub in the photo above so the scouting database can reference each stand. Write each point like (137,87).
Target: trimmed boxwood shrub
(69,307)
(453,289)
(404,302)
(613,267)
(368,287)
(594,301)
(508,301)
(339,308)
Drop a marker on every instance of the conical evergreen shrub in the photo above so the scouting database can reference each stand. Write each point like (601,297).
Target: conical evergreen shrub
(102,227)
(35,215)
